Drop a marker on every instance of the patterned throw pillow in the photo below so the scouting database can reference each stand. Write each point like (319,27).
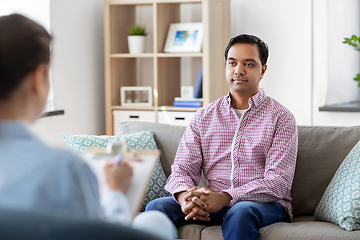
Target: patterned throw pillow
(340,203)
(140,140)
(79,143)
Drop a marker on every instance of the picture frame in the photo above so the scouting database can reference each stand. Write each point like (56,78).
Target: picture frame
(184,37)
(136,96)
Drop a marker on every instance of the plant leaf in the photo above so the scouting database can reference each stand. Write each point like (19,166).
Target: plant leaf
(137,30)
(357,78)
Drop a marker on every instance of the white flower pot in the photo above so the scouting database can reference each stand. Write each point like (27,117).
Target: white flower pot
(136,44)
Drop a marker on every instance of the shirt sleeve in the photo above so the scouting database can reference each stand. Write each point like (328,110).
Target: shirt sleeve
(279,168)
(186,169)
(117,208)
(83,190)
(113,207)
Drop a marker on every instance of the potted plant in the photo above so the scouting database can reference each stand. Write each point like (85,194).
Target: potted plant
(136,39)
(355,42)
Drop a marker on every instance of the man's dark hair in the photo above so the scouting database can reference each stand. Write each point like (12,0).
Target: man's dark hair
(253,40)
(24,45)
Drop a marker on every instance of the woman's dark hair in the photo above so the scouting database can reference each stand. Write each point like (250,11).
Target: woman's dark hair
(24,45)
(253,40)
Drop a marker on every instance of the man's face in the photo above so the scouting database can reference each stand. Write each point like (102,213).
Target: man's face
(243,69)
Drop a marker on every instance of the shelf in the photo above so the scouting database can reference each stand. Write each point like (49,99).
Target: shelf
(117,107)
(121,17)
(160,108)
(149,55)
(179,1)
(125,72)
(128,55)
(342,107)
(129,2)
(166,73)
(138,2)
(183,109)
(179,54)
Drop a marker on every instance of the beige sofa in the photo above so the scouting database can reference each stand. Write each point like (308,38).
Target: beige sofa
(321,151)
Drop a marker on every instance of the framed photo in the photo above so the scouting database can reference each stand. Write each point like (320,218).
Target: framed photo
(184,37)
(136,96)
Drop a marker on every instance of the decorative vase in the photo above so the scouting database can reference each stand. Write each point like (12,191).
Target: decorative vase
(136,44)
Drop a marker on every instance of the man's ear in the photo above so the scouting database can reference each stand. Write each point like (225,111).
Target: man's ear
(263,70)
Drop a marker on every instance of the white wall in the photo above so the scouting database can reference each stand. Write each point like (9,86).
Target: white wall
(285,25)
(309,66)
(78,70)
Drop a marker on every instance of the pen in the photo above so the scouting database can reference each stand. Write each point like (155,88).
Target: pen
(117,159)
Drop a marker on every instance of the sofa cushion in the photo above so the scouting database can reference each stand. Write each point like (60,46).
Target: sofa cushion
(192,231)
(167,138)
(138,140)
(321,151)
(300,228)
(306,228)
(340,203)
(213,232)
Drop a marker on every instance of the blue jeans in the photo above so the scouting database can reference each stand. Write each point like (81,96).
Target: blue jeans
(241,221)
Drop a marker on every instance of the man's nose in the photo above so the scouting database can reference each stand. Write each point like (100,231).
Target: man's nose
(239,70)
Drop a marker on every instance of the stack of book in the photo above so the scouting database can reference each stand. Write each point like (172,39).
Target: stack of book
(187,102)
(197,100)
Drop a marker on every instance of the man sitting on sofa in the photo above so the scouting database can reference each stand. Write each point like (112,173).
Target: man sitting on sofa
(245,143)
(34,176)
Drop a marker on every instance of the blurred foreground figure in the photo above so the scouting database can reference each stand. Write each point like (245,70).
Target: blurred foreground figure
(34,176)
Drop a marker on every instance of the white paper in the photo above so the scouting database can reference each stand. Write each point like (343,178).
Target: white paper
(142,171)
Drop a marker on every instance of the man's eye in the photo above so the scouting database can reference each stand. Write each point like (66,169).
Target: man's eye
(249,64)
(232,63)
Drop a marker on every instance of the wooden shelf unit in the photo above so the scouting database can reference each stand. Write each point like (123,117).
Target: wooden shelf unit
(162,71)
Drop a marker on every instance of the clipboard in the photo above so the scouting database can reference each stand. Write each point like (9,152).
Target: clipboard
(142,172)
